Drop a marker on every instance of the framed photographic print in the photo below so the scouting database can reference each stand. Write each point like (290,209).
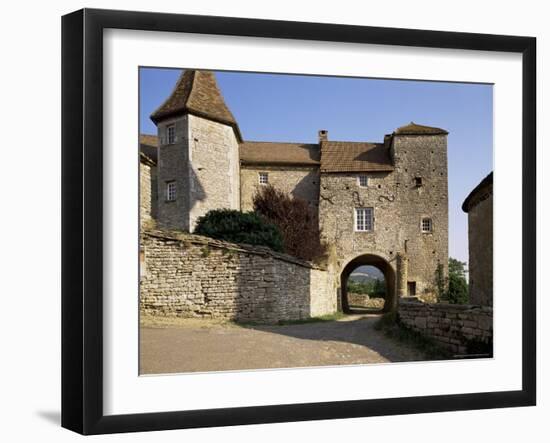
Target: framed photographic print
(269,221)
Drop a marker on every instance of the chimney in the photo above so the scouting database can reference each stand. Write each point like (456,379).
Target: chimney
(323,135)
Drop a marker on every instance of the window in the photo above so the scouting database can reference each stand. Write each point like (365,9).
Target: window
(171,134)
(363,181)
(170,191)
(411,288)
(426,225)
(418,182)
(263,178)
(364,219)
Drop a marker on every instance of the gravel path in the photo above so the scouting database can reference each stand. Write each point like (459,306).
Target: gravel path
(201,345)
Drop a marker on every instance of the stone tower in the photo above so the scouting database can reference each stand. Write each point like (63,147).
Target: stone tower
(419,154)
(385,205)
(198,157)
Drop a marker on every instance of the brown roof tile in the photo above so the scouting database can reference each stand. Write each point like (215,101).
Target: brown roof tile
(354,157)
(279,153)
(414,129)
(148,146)
(197,92)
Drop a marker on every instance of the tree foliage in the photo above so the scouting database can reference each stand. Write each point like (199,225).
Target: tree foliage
(458,287)
(454,288)
(295,219)
(373,288)
(239,227)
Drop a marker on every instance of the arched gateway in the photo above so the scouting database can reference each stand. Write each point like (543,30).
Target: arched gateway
(378,262)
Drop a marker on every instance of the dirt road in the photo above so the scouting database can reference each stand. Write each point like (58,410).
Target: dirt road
(203,345)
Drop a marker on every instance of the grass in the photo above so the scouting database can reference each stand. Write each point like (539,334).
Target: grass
(389,324)
(322,318)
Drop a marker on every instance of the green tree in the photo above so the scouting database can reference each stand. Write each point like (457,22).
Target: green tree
(379,288)
(458,287)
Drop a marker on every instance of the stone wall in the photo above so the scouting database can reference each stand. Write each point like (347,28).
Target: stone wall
(192,276)
(297,181)
(147,192)
(399,205)
(214,156)
(173,166)
(204,164)
(480,248)
(455,327)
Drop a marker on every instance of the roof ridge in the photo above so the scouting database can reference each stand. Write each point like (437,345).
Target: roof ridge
(286,143)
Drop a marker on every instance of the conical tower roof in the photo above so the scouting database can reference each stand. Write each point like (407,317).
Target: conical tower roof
(197,93)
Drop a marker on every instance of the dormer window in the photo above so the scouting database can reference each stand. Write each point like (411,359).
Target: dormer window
(363,180)
(171,134)
(263,178)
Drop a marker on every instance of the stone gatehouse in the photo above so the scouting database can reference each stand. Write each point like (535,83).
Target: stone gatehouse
(378,203)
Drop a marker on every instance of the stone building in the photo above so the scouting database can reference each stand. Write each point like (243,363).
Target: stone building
(148,186)
(479,206)
(381,204)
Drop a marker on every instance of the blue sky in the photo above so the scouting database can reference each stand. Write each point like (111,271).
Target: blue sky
(275,107)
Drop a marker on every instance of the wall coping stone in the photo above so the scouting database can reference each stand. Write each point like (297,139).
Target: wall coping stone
(184,237)
(448,306)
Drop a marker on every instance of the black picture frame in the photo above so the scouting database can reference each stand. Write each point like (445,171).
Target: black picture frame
(82,215)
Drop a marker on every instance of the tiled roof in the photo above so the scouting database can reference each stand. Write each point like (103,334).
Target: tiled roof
(354,157)
(148,146)
(279,153)
(414,129)
(478,194)
(197,92)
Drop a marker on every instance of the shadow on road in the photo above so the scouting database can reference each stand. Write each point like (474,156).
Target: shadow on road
(357,330)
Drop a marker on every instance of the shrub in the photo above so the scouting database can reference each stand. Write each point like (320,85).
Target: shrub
(295,219)
(239,227)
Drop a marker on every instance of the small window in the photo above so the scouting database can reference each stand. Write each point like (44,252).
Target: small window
(170,191)
(364,219)
(171,134)
(363,181)
(263,178)
(411,288)
(426,225)
(418,182)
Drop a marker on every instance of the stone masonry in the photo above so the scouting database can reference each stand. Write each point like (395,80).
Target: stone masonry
(479,206)
(298,181)
(192,276)
(401,182)
(455,327)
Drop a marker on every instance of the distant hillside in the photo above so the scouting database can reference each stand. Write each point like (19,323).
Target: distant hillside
(365,274)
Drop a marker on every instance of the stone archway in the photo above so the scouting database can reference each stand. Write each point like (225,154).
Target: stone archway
(378,262)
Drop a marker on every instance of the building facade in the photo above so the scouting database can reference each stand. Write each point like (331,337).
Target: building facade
(479,206)
(381,204)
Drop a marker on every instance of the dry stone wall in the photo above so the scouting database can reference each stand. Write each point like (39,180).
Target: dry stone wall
(455,327)
(191,276)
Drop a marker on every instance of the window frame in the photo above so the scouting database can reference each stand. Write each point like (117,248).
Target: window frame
(263,174)
(365,177)
(371,218)
(430,221)
(170,185)
(171,138)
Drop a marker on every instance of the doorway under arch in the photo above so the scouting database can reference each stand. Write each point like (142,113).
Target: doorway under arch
(389,280)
